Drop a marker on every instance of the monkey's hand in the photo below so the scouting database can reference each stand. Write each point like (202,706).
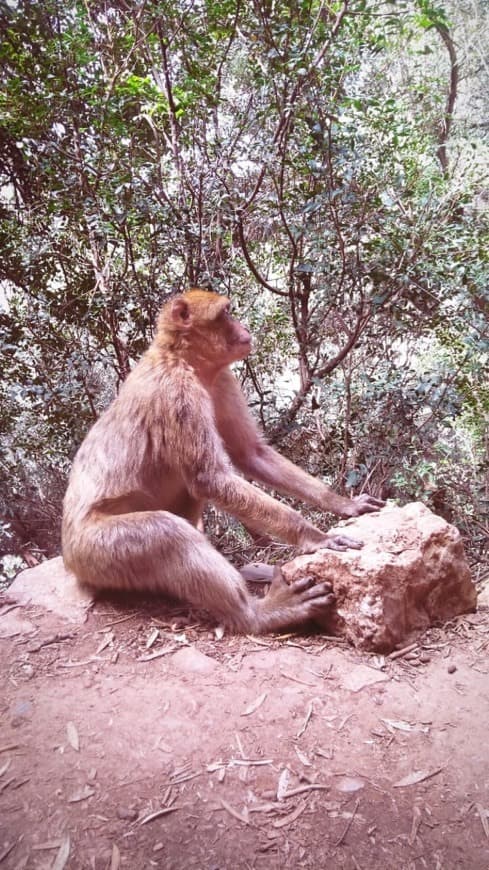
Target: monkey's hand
(332,542)
(361,504)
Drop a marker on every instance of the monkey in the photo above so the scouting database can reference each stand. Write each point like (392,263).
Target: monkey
(178,435)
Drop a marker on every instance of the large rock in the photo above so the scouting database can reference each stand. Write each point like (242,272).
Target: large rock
(50,586)
(410,574)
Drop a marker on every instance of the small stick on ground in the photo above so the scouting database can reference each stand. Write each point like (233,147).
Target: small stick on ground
(349,824)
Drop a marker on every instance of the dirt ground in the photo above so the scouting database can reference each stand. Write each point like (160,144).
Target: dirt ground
(140,737)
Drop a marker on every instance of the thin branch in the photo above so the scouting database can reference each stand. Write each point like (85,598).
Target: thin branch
(253,269)
(446,123)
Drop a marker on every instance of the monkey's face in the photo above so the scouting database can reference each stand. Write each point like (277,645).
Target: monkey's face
(210,330)
(231,338)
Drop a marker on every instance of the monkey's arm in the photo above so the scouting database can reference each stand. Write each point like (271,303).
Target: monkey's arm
(268,466)
(257,460)
(193,440)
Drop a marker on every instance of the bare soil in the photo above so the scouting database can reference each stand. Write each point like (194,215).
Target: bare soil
(143,738)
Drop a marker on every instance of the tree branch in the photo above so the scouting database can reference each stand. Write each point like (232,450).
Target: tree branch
(251,266)
(446,123)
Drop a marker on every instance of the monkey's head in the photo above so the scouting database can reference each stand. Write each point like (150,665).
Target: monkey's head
(201,323)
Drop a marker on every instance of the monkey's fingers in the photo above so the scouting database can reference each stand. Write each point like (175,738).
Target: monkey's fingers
(342,542)
(367,504)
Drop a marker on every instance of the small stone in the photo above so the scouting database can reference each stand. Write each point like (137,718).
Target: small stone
(21,713)
(451,669)
(424,658)
(191,660)
(361,676)
(128,814)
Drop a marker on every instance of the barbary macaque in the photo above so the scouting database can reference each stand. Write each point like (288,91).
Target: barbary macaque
(179,434)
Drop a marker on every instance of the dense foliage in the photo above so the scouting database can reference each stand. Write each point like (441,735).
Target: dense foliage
(310,159)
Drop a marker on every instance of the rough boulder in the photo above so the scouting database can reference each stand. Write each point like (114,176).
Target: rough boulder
(411,573)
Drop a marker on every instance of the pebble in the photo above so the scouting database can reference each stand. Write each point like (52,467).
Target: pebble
(424,658)
(451,669)
(129,815)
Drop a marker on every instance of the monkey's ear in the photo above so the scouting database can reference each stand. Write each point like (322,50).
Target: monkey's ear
(180,313)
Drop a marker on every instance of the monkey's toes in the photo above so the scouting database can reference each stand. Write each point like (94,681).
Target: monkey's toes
(302,584)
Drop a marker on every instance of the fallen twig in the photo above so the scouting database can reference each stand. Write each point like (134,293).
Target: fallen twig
(157,814)
(56,638)
(349,824)
(398,653)
(313,786)
(306,721)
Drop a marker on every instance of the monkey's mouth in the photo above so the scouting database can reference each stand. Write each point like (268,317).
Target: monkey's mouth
(244,345)
(240,342)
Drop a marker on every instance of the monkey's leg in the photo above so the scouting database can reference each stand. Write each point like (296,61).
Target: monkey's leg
(161,552)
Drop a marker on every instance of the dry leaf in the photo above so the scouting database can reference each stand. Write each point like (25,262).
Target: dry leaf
(6,784)
(416,776)
(392,724)
(6,852)
(483,815)
(106,640)
(249,762)
(5,767)
(239,745)
(306,721)
(254,706)
(81,795)
(302,757)
(297,680)
(152,637)
(115,861)
(324,753)
(63,854)
(73,738)
(157,654)
(269,807)
(241,817)
(312,786)
(219,632)
(399,725)
(417,818)
(349,784)
(291,817)
(157,814)
(283,782)
(47,846)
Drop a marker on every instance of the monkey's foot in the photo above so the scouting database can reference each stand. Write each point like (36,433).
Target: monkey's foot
(294,603)
(257,572)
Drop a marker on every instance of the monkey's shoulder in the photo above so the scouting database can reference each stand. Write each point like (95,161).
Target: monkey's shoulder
(163,382)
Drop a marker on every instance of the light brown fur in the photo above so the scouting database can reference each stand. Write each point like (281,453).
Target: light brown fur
(175,438)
